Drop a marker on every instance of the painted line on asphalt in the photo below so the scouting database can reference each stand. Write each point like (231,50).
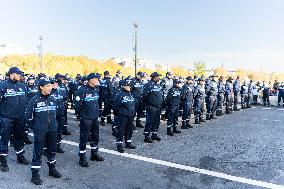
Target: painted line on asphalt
(186,168)
(266,108)
(280,109)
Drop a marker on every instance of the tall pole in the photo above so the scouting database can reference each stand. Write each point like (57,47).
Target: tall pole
(135,24)
(40,53)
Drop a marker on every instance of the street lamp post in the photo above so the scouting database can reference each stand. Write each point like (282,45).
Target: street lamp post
(40,53)
(135,24)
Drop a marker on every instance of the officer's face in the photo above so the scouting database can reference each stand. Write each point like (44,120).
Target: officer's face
(46,89)
(127,88)
(15,77)
(201,82)
(32,82)
(94,81)
(55,85)
(157,79)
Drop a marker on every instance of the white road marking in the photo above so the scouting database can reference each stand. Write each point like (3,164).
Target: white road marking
(253,107)
(266,108)
(187,168)
(280,109)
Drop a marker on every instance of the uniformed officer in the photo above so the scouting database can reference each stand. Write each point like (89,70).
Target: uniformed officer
(137,90)
(173,101)
(237,88)
(220,96)
(281,93)
(64,91)
(266,93)
(250,93)
(166,83)
(12,108)
(152,97)
(32,89)
(41,113)
(244,95)
(124,108)
(60,117)
(187,102)
(116,79)
(87,103)
(229,95)
(199,97)
(105,94)
(211,90)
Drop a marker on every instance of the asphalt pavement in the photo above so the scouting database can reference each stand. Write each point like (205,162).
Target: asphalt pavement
(240,150)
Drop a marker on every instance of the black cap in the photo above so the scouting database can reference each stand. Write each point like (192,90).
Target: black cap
(58,75)
(176,81)
(106,72)
(141,74)
(93,75)
(155,74)
(201,79)
(14,70)
(124,83)
(43,81)
(189,78)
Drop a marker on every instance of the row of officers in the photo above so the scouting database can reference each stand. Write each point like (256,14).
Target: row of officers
(44,110)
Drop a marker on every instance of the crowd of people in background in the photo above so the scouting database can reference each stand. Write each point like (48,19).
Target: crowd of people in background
(39,103)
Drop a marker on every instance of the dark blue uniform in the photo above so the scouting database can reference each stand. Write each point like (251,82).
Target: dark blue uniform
(105,94)
(229,95)
(199,98)
(41,113)
(60,117)
(32,91)
(187,103)
(173,101)
(137,90)
(12,109)
(220,97)
(211,89)
(266,93)
(280,94)
(124,108)
(64,91)
(244,95)
(236,88)
(153,99)
(87,103)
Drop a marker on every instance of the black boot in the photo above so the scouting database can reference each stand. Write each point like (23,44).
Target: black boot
(155,137)
(218,113)
(175,129)
(109,119)
(53,172)
(27,141)
(183,126)
(103,121)
(208,117)
(44,153)
(169,131)
(3,164)
(196,121)
(130,145)
(212,116)
(95,156)
(65,131)
(201,119)
(35,177)
(188,124)
(120,148)
(148,139)
(83,162)
(139,124)
(22,160)
(236,108)
(59,149)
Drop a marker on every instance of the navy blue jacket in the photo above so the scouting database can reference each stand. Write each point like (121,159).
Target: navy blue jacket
(199,93)
(87,102)
(236,86)
(13,99)
(58,96)
(281,89)
(64,91)
(136,88)
(152,94)
(105,88)
(244,89)
(31,92)
(211,88)
(187,93)
(41,113)
(229,88)
(173,97)
(124,104)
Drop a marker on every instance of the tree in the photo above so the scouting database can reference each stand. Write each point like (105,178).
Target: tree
(199,69)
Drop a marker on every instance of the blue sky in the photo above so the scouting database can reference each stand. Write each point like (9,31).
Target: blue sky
(237,33)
